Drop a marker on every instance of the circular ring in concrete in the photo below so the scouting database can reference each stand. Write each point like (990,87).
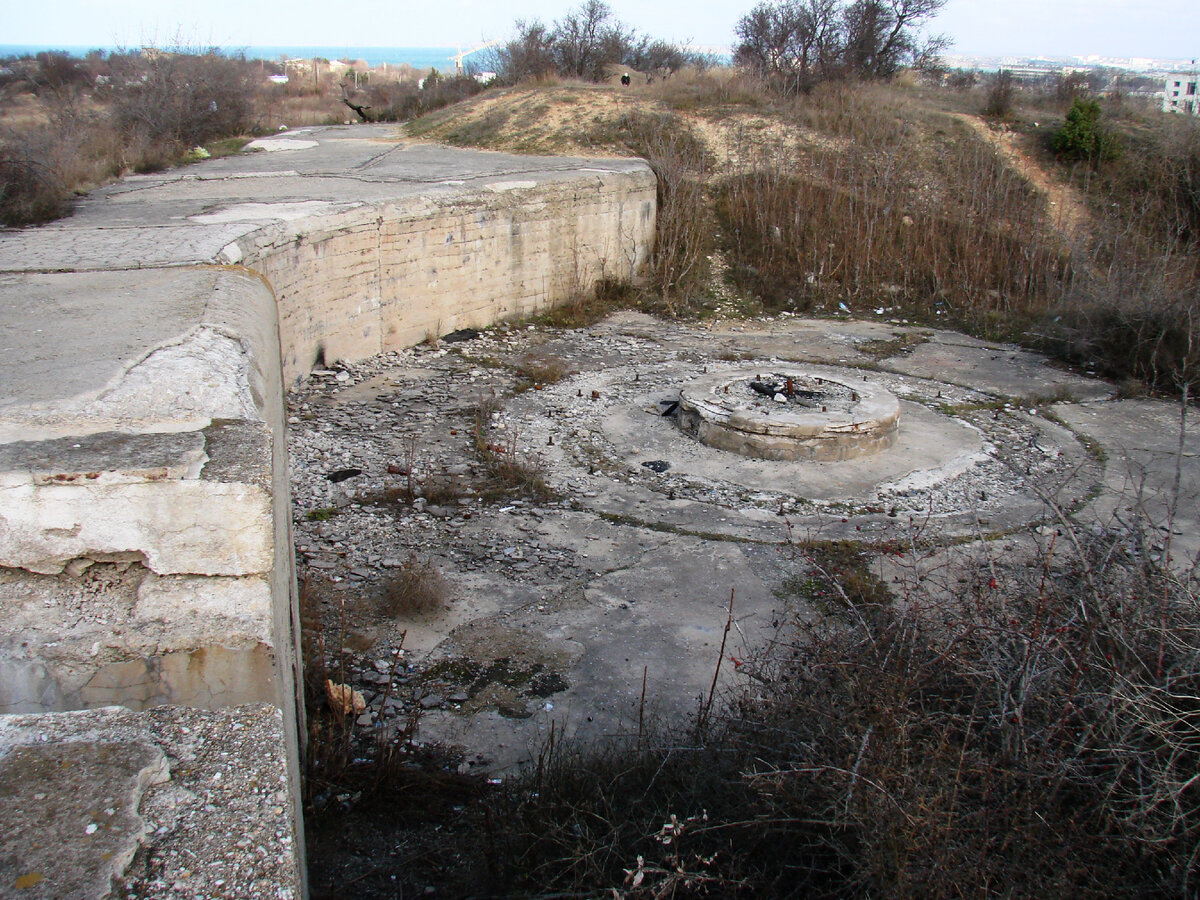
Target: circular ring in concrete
(960,462)
(791,414)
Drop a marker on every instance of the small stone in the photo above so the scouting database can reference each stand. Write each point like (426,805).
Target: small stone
(78,566)
(364,719)
(431,701)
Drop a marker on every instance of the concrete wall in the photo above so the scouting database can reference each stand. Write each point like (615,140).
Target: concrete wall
(370,281)
(145,546)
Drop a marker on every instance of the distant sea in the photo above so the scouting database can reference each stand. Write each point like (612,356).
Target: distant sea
(417,57)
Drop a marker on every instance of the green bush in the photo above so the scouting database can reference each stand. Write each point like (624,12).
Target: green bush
(1082,137)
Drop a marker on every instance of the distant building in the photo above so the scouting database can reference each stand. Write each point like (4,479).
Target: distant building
(1180,95)
(1037,71)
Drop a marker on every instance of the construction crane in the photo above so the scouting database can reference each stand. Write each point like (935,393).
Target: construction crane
(457,59)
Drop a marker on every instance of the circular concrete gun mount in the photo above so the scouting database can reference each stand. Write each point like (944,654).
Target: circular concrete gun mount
(790,414)
(952,459)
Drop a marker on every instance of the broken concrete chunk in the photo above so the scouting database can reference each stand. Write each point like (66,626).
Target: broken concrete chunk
(71,820)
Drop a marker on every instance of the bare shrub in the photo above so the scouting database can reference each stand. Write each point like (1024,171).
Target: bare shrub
(995,728)
(1133,307)
(102,116)
(794,44)
(181,99)
(31,192)
(530,54)
(443,488)
(345,764)
(582,44)
(684,229)
(1140,324)
(1001,93)
(509,471)
(535,370)
(416,588)
(401,101)
(587,38)
(584,308)
(713,90)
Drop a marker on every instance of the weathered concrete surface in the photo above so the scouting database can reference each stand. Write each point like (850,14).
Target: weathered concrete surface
(370,244)
(1153,467)
(556,607)
(723,411)
(145,542)
(1001,369)
(145,550)
(138,428)
(168,803)
(151,351)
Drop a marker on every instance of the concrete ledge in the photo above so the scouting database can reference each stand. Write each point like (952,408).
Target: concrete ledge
(145,514)
(173,802)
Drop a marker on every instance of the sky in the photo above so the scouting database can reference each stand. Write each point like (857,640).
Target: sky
(1114,28)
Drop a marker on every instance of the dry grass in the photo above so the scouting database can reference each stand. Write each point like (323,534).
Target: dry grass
(509,470)
(535,371)
(417,588)
(983,728)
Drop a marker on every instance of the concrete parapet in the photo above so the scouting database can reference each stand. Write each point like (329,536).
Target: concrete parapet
(145,544)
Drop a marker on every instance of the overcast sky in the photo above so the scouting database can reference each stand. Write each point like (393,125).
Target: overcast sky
(1137,28)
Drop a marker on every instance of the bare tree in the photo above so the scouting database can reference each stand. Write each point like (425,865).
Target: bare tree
(528,55)
(797,42)
(580,45)
(582,37)
(792,42)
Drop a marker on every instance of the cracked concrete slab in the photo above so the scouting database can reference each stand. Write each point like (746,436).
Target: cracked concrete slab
(1153,466)
(629,567)
(1000,369)
(659,614)
(166,803)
